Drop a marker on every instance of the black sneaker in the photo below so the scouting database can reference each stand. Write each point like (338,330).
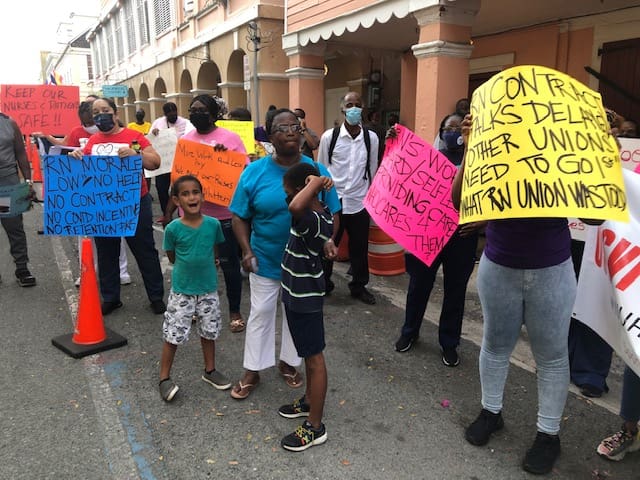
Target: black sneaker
(158,307)
(108,307)
(299,408)
(365,296)
(168,389)
(543,454)
(450,357)
(304,437)
(24,278)
(405,343)
(480,430)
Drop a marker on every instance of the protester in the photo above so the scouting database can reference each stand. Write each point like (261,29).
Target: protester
(261,222)
(191,244)
(141,244)
(302,291)
(140,125)
(171,119)
(13,157)
(203,114)
(350,152)
(627,439)
(628,129)
(309,139)
(526,277)
(457,259)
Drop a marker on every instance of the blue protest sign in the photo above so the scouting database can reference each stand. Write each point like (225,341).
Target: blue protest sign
(14,199)
(115,90)
(98,196)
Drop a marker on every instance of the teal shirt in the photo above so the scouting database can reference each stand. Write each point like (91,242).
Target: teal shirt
(194,270)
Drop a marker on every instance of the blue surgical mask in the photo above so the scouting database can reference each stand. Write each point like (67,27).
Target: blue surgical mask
(353,115)
(453,140)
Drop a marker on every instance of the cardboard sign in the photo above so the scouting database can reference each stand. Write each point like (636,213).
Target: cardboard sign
(98,196)
(218,172)
(540,147)
(244,129)
(608,297)
(165,144)
(48,108)
(14,199)
(410,196)
(630,152)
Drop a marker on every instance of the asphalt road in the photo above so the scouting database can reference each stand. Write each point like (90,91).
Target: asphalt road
(388,415)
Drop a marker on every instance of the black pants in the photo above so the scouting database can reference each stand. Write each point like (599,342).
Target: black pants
(357,227)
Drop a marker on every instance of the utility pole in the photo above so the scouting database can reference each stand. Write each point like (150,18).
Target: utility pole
(254,38)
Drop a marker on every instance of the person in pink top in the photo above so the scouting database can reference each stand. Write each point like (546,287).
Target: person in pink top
(203,113)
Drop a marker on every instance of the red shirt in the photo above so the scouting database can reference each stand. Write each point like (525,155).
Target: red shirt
(73,139)
(126,136)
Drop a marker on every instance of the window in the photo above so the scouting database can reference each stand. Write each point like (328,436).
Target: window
(119,35)
(95,50)
(162,15)
(130,24)
(89,68)
(143,21)
(108,45)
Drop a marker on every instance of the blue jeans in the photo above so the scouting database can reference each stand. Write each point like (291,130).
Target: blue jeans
(142,247)
(457,260)
(542,299)
(230,263)
(630,407)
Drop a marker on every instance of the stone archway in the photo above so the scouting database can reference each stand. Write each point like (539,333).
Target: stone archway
(184,99)
(208,79)
(143,98)
(233,88)
(130,107)
(158,99)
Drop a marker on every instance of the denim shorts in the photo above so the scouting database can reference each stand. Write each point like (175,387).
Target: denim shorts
(307,331)
(181,310)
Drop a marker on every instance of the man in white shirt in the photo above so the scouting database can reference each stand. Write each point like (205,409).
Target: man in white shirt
(352,163)
(171,119)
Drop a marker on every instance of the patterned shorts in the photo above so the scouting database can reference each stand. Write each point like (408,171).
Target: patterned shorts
(181,310)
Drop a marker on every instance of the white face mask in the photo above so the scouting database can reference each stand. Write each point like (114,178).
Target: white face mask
(91,130)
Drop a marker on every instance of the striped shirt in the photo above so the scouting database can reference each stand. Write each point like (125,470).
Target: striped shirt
(303,283)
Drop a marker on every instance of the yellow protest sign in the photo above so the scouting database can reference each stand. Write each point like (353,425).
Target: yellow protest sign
(242,128)
(218,172)
(539,147)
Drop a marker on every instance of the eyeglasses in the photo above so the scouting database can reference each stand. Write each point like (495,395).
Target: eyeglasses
(452,129)
(199,110)
(295,128)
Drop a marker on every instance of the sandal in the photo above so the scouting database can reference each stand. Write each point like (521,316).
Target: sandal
(294,380)
(237,324)
(243,390)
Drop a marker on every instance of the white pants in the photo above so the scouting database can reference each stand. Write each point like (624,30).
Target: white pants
(124,266)
(260,335)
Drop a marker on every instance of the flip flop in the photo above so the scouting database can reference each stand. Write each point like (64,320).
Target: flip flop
(245,390)
(294,380)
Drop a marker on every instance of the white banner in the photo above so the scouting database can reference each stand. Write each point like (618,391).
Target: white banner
(608,298)
(165,144)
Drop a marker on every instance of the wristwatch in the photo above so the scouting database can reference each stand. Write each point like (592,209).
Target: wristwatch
(28,181)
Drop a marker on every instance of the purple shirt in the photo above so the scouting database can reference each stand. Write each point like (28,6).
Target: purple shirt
(528,243)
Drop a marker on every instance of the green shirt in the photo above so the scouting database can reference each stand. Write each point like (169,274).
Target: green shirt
(194,270)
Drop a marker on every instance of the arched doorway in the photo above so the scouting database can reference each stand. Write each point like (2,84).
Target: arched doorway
(233,90)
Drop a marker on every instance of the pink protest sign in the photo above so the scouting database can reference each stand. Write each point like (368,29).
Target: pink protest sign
(410,196)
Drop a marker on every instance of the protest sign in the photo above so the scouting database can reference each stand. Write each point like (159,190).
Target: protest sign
(410,196)
(98,196)
(608,297)
(14,199)
(630,152)
(48,108)
(244,129)
(218,172)
(164,143)
(540,147)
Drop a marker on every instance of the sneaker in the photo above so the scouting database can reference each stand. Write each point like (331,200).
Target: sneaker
(450,357)
(480,430)
(405,343)
(304,437)
(590,391)
(217,379)
(365,296)
(299,408)
(24,278)
(158,307)
(619,444)
(108,307)
(543,454)
(125,279)
(168,389)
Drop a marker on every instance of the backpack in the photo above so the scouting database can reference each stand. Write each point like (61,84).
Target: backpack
(367,144)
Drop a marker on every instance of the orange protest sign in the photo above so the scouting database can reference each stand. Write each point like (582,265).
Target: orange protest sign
(218,172)
(48,108)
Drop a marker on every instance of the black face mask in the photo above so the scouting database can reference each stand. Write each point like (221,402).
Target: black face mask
(173,118)
(202,121)
(140,118)
(104,122)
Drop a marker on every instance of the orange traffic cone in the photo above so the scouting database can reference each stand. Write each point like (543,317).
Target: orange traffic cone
(89,324)
(89,336)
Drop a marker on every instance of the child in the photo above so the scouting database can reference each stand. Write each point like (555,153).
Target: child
(190,244)
(303,287)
